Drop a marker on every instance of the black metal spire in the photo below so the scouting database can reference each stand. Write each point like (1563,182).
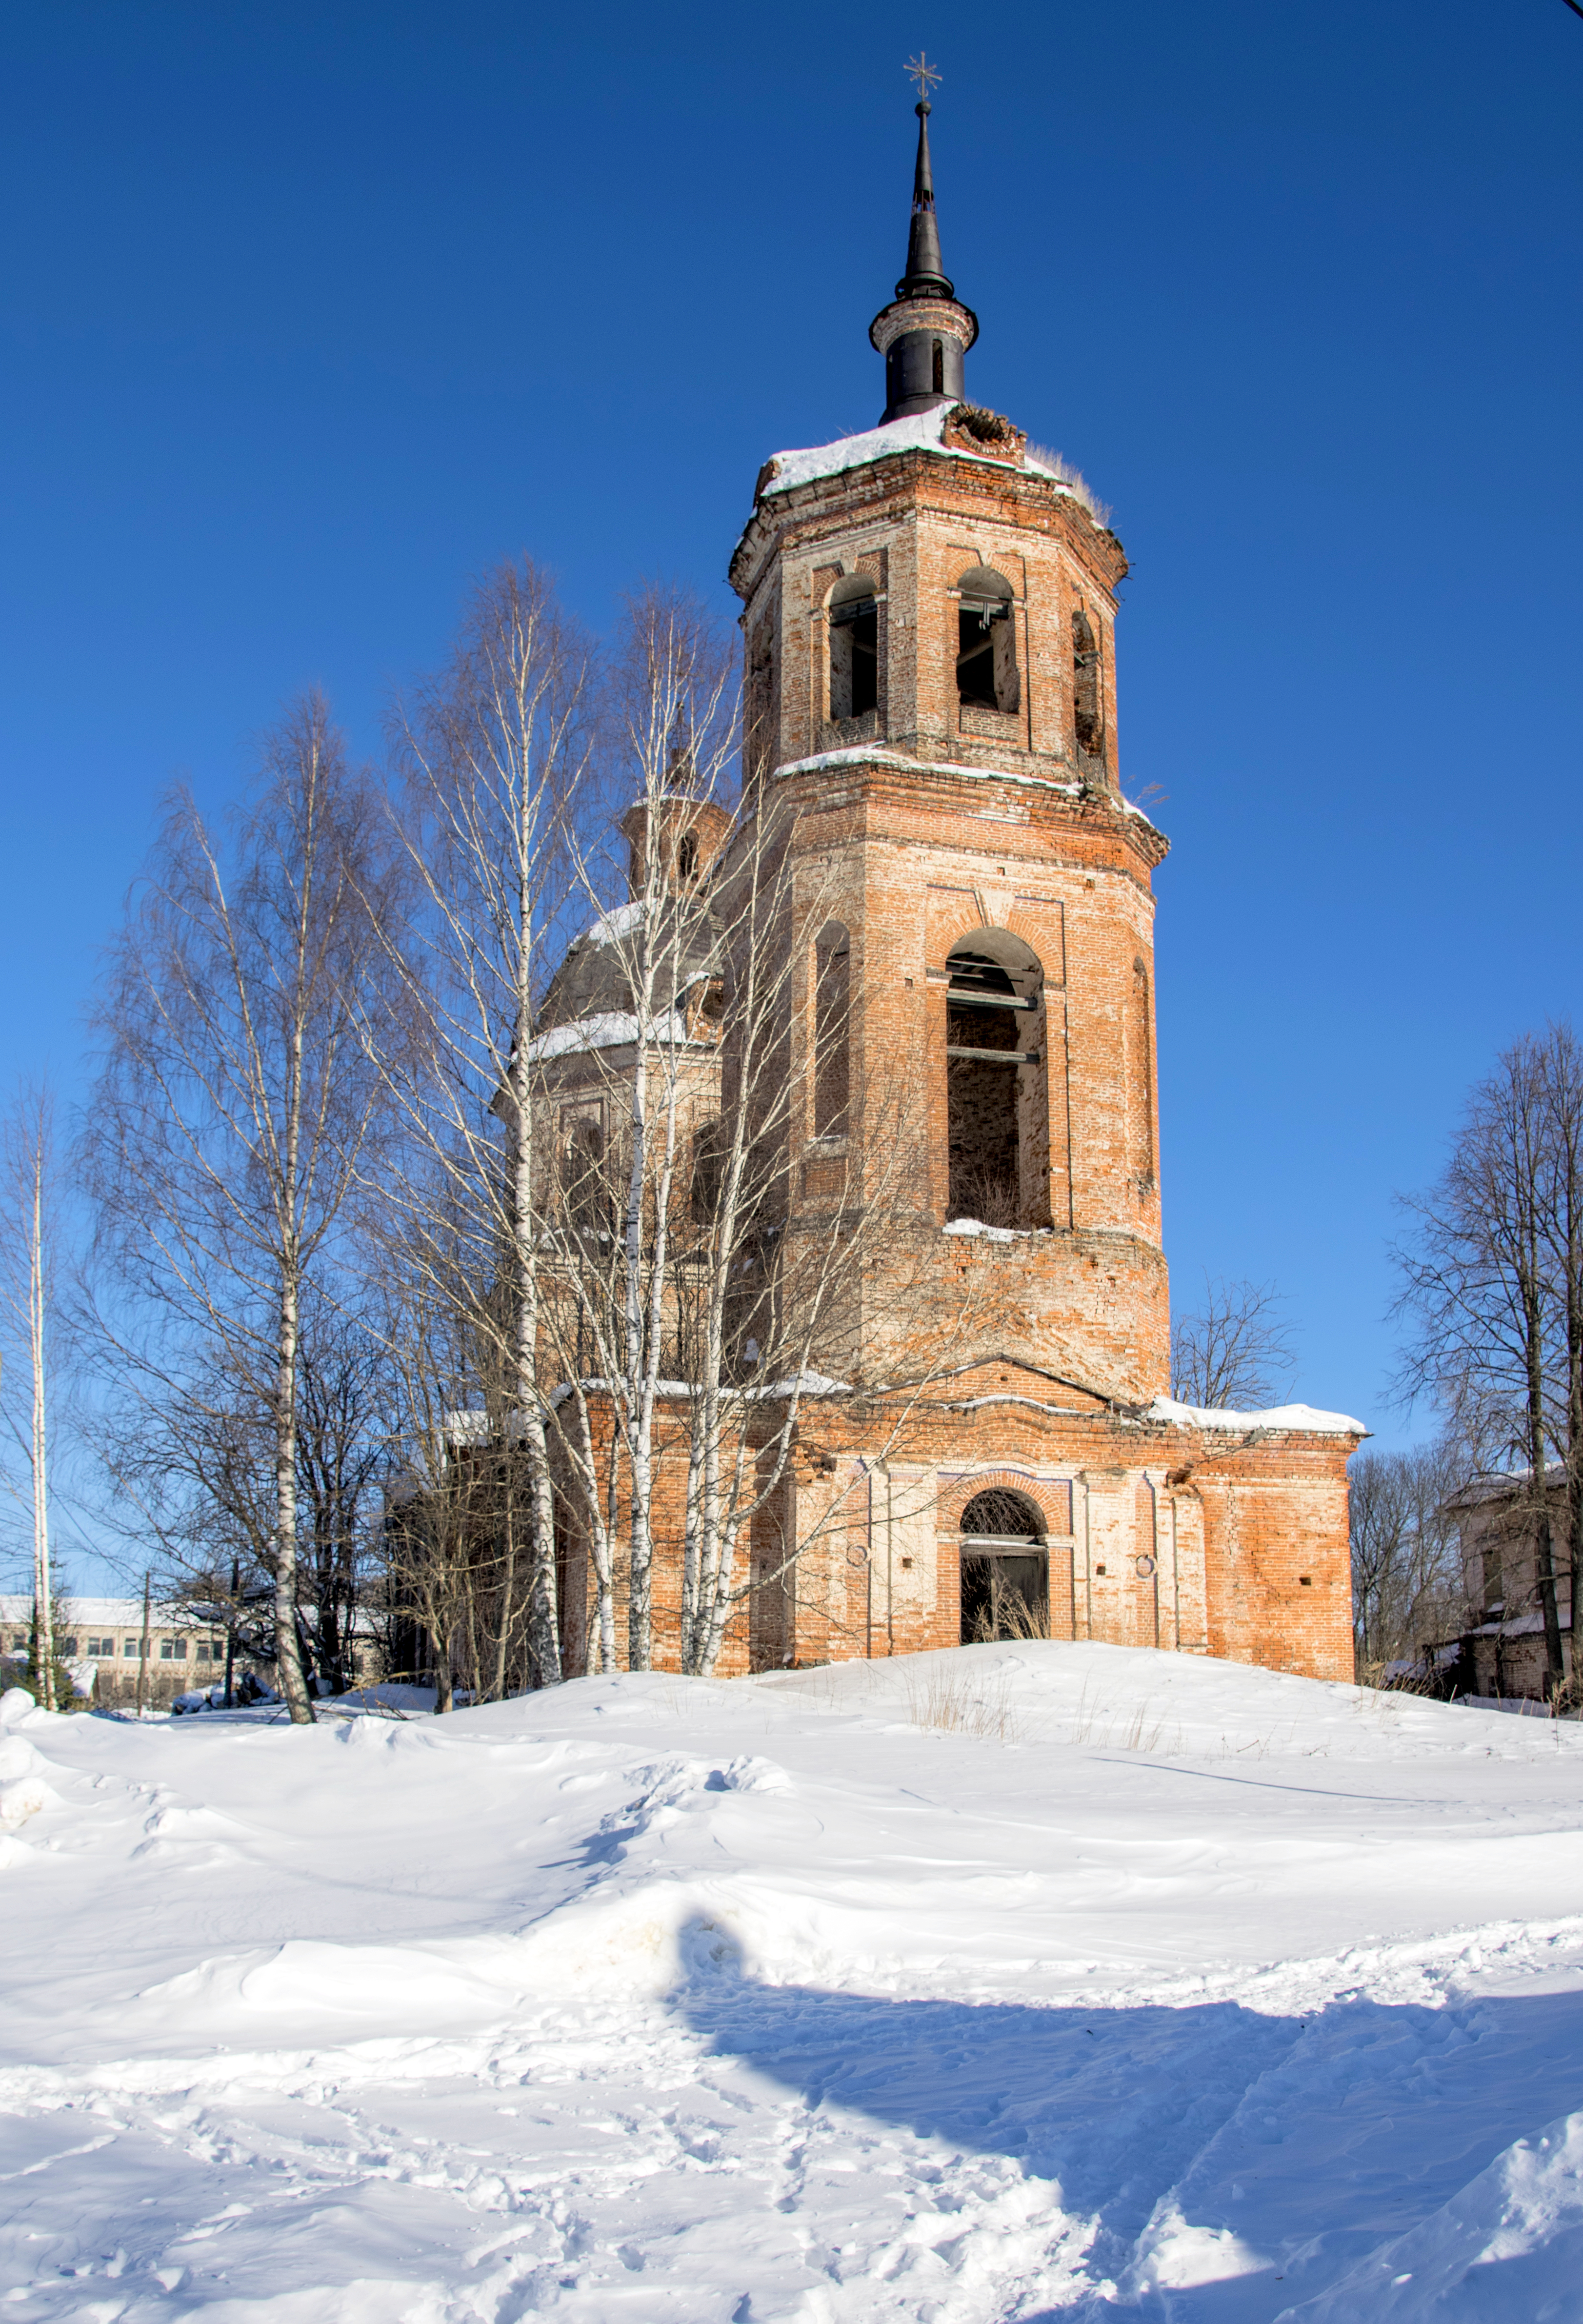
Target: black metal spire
(926,272)
(925,331)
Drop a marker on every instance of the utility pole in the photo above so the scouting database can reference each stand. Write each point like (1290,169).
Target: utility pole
(43,1588)
(143,1660)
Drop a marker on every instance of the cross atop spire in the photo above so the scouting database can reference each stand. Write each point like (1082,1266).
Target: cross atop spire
(919,70)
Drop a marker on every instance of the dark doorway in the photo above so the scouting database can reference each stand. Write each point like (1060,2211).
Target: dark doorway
(1005,1569)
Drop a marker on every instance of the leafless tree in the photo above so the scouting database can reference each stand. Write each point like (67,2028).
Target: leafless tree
(1407,1579)
(235,1110)
(1559,1064)
(460,1518)
(669,730)
(699,1303)
(1234,1350)
(489,754)
(29,1237)
(1478,1292)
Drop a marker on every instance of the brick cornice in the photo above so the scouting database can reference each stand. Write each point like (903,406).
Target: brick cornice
(1087,826)
(916,481)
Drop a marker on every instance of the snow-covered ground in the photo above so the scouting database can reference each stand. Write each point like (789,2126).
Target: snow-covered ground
(1035,1982)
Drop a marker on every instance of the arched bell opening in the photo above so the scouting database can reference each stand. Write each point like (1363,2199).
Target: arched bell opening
(986,647)
(854,649)
(996,1082)
(1005,1568)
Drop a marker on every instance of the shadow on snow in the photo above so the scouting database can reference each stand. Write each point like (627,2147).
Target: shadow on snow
(1314,2140)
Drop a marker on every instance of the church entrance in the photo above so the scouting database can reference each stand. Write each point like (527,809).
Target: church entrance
(1005,1569)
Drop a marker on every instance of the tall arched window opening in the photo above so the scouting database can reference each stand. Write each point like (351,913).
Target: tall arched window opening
(854,648)
(986,651)
(584,1179)
(995,1083)
(686,858)
(937,370)
(1087,715)
(1005,1568)
(831,1031)
(1142,1061)
(708,1180)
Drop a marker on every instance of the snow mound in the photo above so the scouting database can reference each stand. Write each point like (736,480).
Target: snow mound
(1509,2245)
(17,1758)
(1031,1979)
(23,1798)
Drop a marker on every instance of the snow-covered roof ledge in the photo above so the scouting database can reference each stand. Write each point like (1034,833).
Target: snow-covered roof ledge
(608,1028)
(920,431)
(1302,1418)
(871,754)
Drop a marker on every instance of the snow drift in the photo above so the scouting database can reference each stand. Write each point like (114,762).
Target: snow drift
(1037,1981)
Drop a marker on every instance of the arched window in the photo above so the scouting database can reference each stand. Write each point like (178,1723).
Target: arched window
(986,651)
(582,1176)
(708,1173)
(995,1083)
(1087,715)
(937,380)
(854,648)
(831,1031)
(1005,1568)
(1142,1063)
(687,857)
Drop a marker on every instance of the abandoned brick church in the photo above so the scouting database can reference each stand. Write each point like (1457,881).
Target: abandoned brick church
(929,625)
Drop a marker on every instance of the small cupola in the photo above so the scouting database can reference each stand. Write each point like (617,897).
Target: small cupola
(925,331)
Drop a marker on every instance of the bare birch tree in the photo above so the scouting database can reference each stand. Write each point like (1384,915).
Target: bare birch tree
(694,1305)
(29,1228)
(489,754)
(670,734)
(234,1109)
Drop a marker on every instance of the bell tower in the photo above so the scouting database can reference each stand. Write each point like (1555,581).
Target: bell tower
(929,622)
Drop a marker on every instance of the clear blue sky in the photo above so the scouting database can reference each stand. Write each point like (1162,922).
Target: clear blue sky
(310,313)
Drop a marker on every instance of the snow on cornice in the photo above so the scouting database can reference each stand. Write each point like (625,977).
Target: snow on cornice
(610,1028)
(920,432)
(680,1390)
(865,754)
(1302,1418)
(616,926)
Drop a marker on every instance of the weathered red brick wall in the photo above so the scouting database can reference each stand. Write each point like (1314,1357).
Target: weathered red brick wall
(1224,1542)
